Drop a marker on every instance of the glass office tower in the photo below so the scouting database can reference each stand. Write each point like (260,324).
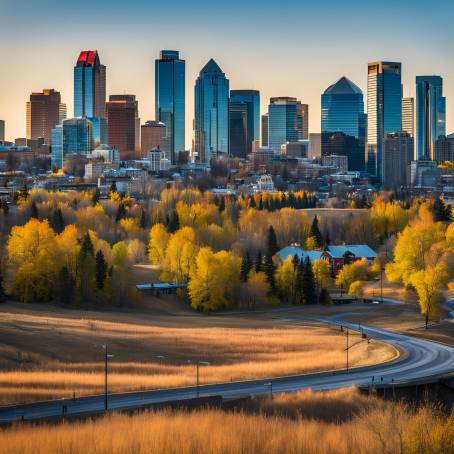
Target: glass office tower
(244,118)
(77,136)
(170,100)
(344,123)
(286,121)
(56,149)
(430,115)
(89,85)
(211,120)
(384,111)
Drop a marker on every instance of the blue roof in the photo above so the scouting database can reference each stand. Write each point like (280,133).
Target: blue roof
(358,250)
(162,286)
(301,253)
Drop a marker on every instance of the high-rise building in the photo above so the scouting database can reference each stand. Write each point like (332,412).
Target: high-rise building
(123,123)
(397,155)
(211,120)
(444,149)
(315,139)
(384,111)
(265,130)
(2,130)
(430,115)
(303,114)
(344,122)
(89,85)
(408,116)
(56,148)
(43,114)
(170,100)
(287,119)
(152,135)
(244,119)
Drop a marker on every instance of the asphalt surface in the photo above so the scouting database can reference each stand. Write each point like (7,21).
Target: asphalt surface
(419,359)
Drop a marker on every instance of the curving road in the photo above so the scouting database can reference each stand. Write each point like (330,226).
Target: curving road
(419,359)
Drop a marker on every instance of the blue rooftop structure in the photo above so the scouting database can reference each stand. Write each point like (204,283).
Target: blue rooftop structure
(301,253)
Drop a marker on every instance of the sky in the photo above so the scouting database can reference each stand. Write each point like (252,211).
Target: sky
(286,48)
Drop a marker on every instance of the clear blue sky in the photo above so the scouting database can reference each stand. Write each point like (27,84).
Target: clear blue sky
(287,48)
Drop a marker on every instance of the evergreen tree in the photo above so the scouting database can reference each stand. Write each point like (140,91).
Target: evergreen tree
(261,202)
(327,239)
(101,270)
(270,271)
(121,212)
(309,292)
(441,211)
(95,197)
(174,222)
(113,187)
(143,219)
(315,232)
(258,265)
(299,287)
(324,297)
(304,201)
(65,286)
(86,248)
(246,266)
(221,205)
(34,210)
(57,222)
(252,202)
(272,246)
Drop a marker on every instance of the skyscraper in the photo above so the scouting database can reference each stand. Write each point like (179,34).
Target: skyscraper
(43,114)
(286,121)
(430,115)
(384,110)
(152,135)
(344,122)
(408,116)
(211,121)
(89,85)
(265,130)
(2,130)
(123,125)
(244,119)
(397,156)
(170,100)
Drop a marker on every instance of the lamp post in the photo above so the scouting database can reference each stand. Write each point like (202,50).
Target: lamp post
(106,358)
(197,365)
(270,384)
(348,347)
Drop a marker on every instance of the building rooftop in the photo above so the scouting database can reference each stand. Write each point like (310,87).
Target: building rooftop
(343,86)
(211,67)
(88,58)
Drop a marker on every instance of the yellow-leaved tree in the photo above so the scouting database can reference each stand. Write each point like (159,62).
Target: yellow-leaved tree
(159,237)
(33,252)
(322,273)
(353,273)
(286,277)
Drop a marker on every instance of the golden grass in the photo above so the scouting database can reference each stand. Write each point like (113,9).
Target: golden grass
(375,427)
(61,355)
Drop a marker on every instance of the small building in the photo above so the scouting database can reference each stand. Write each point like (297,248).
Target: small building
(164,288)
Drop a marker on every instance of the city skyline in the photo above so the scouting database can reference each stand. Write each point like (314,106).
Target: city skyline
(302,72)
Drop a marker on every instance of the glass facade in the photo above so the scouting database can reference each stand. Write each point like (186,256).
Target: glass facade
(211,120)
(89,85)
(430,115)
(170,100)
(384,111)
(77,136)
(244,118)
(343,123)
(287,119)
(56,149)
(99,126)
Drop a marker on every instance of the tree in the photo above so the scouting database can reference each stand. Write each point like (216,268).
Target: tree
(159,238)
(258,264)
(86,266)
(246,266)
(286,276)
(324,297)
(271,241)
(428,284)
(257,289)
(308,284)
(87,248)
(57,222)
(101,270)
(441,211)
(95,197)
(119,281)
(322,274)
(270,270)
(121,212)
(350,273)
(311,243)
(173,223)
(315,232)
(34,210)
(65,286)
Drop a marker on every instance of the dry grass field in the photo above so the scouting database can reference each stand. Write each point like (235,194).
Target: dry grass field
(52,352)
(340,422)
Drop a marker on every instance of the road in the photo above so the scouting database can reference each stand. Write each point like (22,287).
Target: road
(419,359)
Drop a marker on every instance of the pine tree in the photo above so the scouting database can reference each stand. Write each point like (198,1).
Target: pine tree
(34,210)
(252,202)
(315,232)
(65,286)
(324,297)
(113,187)
(95,197)
(221,206)
(86,248)
(121,212)
(57,222)
(441,211)
(304,201)
(174,222)
(258,265)
(246,266)
(327,239)
(270,271)
(299,287)
(308,284)
(260,203)
(272,246)
(143,219)
(101,270)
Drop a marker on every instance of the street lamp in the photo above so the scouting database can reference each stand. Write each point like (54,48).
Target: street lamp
(106,358)
(197,364)
(348,347)
(381,283)
(270,384)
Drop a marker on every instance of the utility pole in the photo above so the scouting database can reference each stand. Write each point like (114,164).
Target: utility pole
(346,349)
(106,358)
(381,283)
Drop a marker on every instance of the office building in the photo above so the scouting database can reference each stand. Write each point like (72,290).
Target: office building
(56,148)
(299,149)
(100,131)
(444,149)
(2,130)
(286,121)
(170,101)
(43,114)
(152,135)
(424,174)
(211,120)
(89,85)
(265,130)
(303,117)
(338,162)
(158,160)
(315,138)
(397,154)
(122,113)
(344,123)
(384,111)
(244,121)
(430,115)
(408,116)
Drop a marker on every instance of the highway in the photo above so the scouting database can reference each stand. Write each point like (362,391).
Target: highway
(419,359)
